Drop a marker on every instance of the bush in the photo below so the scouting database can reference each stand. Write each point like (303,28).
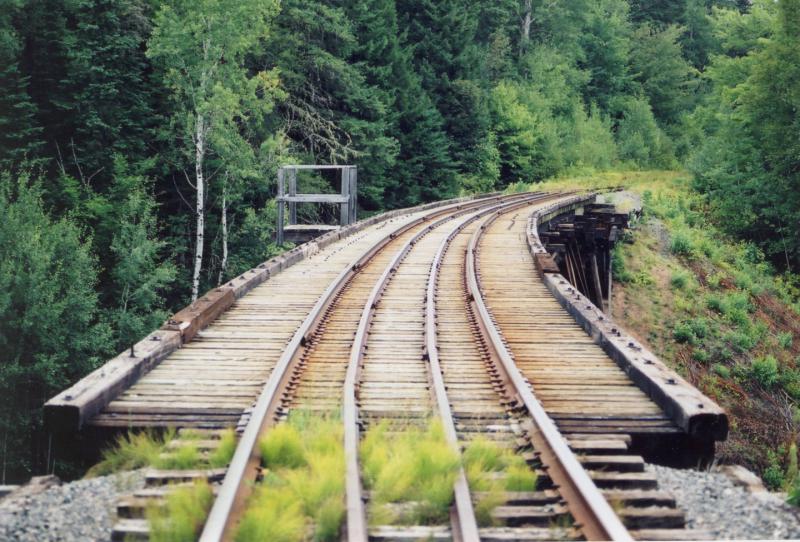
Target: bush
(721,370)
(765,371)
(679,280)
(681,244)
(683,333)
(773,475)
(785,340)
(700,355)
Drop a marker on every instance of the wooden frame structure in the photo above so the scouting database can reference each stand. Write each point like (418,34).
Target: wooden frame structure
(288,198)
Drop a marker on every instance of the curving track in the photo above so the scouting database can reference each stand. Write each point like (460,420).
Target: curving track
(442,314)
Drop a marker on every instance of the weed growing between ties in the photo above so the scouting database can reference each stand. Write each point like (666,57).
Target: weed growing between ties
(182,515)
(302,494)
(410,474)
(151,449)
(491,472)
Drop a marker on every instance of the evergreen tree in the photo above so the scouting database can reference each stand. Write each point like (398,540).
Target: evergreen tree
(19,133)
(49,330)
(110,98)
(666,78)
(139,274)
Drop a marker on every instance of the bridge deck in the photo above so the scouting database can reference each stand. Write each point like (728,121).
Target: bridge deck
(215,377)
(580,386)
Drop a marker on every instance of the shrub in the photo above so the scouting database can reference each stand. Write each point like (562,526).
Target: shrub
(618,270)
(700,355)
(681,244)
(683,333)
(773,475)
(765,371)
(721,370)
(785,340)
(679,280)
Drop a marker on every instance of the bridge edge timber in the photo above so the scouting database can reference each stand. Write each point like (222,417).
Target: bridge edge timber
(691,410)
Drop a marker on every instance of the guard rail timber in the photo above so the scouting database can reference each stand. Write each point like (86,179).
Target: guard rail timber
(690,409)
(72,408)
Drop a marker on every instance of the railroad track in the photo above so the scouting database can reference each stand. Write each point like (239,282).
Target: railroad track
(445,317)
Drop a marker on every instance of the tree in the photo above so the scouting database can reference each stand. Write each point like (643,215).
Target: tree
(139,274)
(200,47)
(19,132)
(50,333)
(666,78)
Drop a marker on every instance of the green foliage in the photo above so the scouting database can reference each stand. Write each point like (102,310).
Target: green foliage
(483,460)
(410,466)
(222,455)
(306,486)
(773,475)
(765,371)
(182,515)
(283,447)
(50,332)
(131,451)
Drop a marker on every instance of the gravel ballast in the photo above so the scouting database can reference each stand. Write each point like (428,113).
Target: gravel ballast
(81,510)
(713,503)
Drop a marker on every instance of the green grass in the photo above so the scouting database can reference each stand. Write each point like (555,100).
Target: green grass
(131,451)
(483,461)
(182,516)
(222,455)
(413,466)
(302,495)
(149,449)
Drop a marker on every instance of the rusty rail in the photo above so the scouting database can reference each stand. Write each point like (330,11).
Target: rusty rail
(593,515)
(244,464)
(465,525)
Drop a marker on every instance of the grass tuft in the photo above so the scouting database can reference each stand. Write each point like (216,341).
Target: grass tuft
(182,516)
(483,461)
(224,452)
(131,451)
(283,448)
(302,495)
(410,466)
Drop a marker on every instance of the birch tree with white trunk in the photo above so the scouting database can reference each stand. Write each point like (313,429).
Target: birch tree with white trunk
(200,46)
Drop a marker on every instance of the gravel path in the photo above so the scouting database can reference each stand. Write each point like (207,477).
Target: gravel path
(79,511)
(713,503)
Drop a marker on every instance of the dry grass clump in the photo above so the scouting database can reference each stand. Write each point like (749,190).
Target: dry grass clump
(416,467)
(302,495)
(492,471)
(182,515)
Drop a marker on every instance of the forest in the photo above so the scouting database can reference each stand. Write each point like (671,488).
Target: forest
(140,139)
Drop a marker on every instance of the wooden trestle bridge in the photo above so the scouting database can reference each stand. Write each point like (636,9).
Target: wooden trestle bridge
(455,310)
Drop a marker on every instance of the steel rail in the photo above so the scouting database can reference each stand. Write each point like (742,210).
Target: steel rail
(465,525)
(245,461)
(356,513)
(593,515)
